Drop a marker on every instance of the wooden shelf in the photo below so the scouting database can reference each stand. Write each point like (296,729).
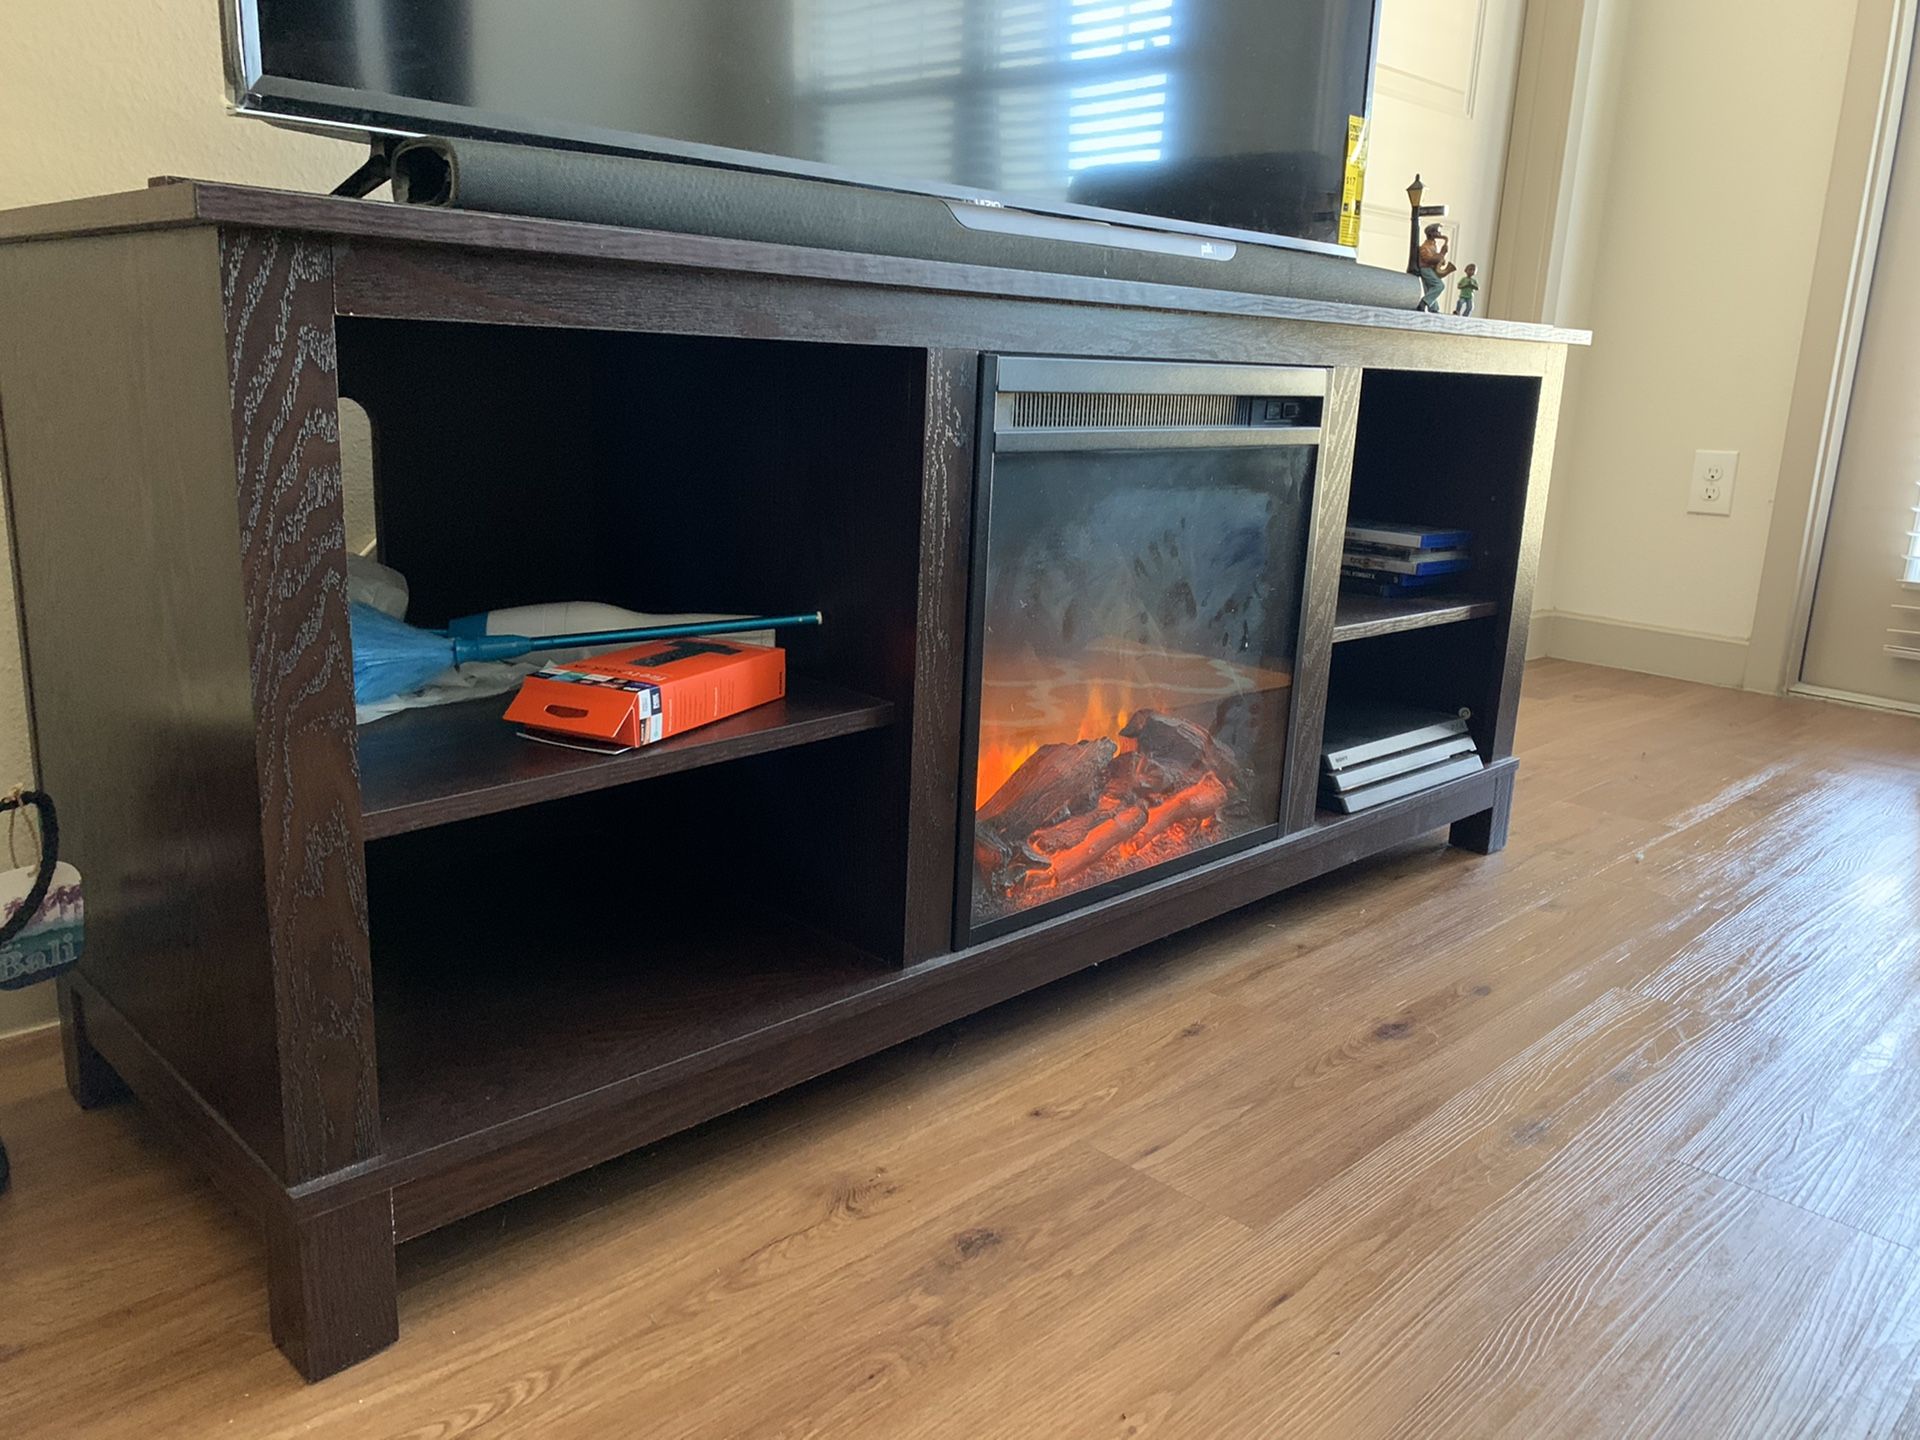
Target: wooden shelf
(505,1064)
(474,1035)
(509,1055)
(432,767)
(1361,617)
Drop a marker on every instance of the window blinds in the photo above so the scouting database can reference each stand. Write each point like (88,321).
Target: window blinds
(902,88)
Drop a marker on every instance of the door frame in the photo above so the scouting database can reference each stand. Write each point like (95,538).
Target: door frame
(1872,108)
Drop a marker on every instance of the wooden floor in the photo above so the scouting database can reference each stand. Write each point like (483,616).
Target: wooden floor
(1617,1133)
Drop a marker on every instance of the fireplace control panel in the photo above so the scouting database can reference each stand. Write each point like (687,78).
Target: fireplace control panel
(1285,410)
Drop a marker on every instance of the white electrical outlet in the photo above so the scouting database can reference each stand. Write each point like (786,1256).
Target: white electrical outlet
(1711,492)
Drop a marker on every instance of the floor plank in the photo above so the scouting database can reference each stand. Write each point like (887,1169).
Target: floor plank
(1614,1133)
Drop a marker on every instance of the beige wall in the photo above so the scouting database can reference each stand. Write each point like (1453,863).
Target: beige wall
(1553,212)
(95,96)
(1703,224)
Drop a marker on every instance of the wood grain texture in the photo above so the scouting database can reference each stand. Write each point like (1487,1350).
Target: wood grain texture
(699,1018)
(154,208)
(180,201)
(204,1134)
(277,300)
(858,304)
(1320,598)
(1432,1151)
(951,401)
(435,767)
(1485,833)
(1365,617)
(330,1286)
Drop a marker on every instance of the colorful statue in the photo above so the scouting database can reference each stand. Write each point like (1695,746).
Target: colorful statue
(1468,288)
(1434,269)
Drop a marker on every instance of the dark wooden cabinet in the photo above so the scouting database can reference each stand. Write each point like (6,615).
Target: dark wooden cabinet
(379,979)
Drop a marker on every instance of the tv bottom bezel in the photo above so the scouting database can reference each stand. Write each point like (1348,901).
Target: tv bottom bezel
(330,109)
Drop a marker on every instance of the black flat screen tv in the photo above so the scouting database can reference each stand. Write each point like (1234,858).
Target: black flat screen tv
(1227,118)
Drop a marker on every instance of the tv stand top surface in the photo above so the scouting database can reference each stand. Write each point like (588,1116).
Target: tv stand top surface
(175,203)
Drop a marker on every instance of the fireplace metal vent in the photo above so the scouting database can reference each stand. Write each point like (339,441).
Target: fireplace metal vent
(1059,410)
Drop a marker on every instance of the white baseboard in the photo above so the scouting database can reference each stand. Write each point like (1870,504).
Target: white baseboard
(1539,631)
(1849,697)
(1649,649)
(24,1011)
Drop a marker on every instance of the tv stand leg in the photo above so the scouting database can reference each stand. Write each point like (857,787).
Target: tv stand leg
(331,1288)
(90,1079)
(1486,832)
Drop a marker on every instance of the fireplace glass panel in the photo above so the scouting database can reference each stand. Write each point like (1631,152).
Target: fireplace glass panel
(1141,613)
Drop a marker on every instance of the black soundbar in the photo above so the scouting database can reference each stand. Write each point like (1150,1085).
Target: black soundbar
(748,205)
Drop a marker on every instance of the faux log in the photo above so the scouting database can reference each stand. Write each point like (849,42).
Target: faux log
(1070,831)
(1202,800)
(1132,775)
(1108,835)
(1054,782)
(1183,748)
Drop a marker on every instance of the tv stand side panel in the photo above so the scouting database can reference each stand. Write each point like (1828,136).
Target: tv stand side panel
(185,636)
(278,310)
(1504,703)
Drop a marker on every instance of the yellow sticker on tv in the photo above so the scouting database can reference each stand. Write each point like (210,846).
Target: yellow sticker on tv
(1359,132)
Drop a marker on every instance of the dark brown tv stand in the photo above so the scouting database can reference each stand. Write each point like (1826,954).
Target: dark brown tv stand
(375,982)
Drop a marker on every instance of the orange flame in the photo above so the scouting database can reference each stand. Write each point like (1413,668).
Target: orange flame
(1007,745)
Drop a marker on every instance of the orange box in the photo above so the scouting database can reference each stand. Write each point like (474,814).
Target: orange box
(629,698)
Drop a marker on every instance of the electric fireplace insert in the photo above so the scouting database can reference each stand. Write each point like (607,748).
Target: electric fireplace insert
(1140,554)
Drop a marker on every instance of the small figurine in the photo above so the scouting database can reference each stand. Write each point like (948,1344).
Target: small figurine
(1434,269)
(1469,287)
(1416,196)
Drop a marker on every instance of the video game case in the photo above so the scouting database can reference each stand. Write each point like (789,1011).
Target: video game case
(1387,565)
(1411,783)
(1392,584)
(1368,730)
(1406,552)
(1399,763)
(1411,537)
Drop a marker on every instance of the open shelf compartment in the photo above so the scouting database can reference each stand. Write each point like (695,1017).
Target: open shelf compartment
(495,1036)
(525,959)
(454,762)
(472,1040)
(1446,451)
(1440,450)
(663,474)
